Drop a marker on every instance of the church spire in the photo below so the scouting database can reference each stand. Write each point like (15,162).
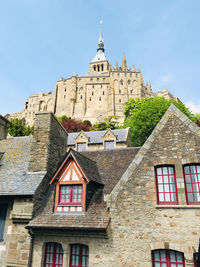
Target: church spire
(100,43)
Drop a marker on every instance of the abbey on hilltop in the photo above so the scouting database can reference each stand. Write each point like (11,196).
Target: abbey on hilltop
(102,92)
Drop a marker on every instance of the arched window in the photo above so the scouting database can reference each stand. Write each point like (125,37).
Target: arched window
(192,183)
(167,258)
(53,255)
(94,68)
(98,68)
(79,255)
(102,67)
(166,185)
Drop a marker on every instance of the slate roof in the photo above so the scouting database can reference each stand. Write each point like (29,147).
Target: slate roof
(14,161)
(95,137)
(111,165)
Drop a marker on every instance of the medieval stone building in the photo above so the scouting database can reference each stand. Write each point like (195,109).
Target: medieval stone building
(102,92)
(133,207)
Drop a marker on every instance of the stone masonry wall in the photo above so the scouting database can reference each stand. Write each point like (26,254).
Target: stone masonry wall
(138,225)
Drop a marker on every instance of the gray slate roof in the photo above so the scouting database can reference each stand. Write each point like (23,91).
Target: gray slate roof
(14,176)
(95,137)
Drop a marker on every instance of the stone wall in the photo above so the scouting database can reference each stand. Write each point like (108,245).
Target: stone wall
(138,224)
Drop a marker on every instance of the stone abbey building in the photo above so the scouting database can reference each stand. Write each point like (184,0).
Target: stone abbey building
(102,92)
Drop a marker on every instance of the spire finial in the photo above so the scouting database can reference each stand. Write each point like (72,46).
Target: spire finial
(101,44)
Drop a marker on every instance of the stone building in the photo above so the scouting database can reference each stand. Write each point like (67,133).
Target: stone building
(100,93)
(99,140)
(133,207)
(26,165)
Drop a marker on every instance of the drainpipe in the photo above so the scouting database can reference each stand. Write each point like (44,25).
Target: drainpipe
(30,259)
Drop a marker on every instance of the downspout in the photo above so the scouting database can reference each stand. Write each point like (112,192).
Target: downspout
(30,259)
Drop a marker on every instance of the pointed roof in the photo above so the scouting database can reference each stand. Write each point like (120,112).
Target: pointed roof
(172,111)
(88,167)
(100,56)
(124,65)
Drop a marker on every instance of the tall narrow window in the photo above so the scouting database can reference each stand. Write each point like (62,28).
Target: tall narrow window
(3,211)
(167,258)
(53,255)
(192,183)
(70,194)
(166,185)
(79,256)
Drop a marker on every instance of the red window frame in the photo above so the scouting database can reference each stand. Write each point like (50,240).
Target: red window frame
(165,187)
(53,255)
(165,256)
(79,255)
(192,183)
(71,194)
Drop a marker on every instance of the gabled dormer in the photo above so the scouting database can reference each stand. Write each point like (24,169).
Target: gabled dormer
(76,180)
(81,141)
(109,139)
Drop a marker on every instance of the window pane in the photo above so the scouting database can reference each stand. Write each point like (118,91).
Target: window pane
(159,171)
(156,255)
(166,187)
(187,178)
(173,197)
(163,255)
(190,197)
(161,197)
(160,180)
(166,180)
(172,188)
(160,188)
(167,197)
(186,169)
(189,187)
(171,170)
(165,170)
(172,256)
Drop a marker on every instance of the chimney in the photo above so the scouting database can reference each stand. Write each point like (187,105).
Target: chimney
(4,125)
(49,143)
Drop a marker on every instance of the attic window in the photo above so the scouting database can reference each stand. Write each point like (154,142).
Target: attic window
(81,147)
(70,194)
(109,145)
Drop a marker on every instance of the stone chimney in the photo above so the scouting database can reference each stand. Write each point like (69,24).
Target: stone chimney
(49,143)
(4,124)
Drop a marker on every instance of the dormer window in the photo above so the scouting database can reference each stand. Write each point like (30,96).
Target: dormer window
(109,144)
(81,147)
(70,194)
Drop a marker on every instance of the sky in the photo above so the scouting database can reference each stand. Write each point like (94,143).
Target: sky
(42,41)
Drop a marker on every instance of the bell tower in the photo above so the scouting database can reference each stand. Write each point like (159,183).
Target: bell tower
(99,64)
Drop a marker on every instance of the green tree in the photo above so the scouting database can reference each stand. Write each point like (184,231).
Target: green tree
(63,118)
(110,122)
(18,128)
(197,118)
(142,115)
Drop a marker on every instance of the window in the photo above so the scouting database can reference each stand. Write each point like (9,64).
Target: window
(120,91)
(108,144)
(120,100)
(102,67)
(99,98)
(167,258)
(81,97)
(79,256)
(81,147)
(98,67)
(195,259)
(65,89)
(53,255)
(3,211)
(166,185)
(70,194)
(192,183)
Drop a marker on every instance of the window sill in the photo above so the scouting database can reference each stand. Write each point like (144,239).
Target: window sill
(178,206)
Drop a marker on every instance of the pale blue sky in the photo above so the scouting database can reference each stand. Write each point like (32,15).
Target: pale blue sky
(42,40)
